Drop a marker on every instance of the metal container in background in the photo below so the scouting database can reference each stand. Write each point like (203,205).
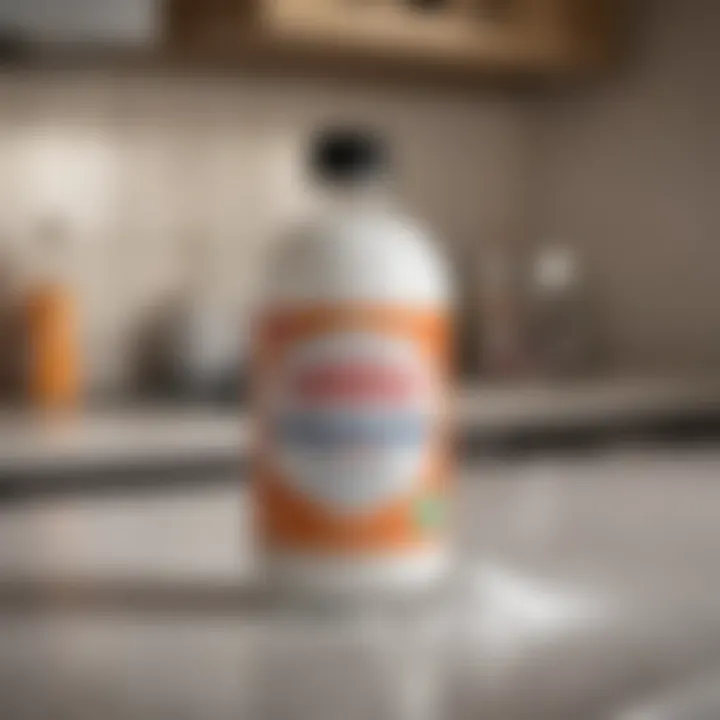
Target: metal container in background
(503,346)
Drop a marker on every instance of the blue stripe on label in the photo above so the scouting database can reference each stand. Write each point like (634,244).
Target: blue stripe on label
(317,431)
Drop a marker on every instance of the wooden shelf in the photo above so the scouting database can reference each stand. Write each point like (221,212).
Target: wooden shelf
(464,38)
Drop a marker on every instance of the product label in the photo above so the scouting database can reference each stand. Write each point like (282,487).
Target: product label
(352,421)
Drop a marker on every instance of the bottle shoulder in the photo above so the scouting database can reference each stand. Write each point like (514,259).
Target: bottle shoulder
(380,257)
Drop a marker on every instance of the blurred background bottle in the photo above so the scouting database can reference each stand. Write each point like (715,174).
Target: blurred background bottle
(203,330)
(52,324)
(11,333)
(561,327)
(504,353)
(191,346)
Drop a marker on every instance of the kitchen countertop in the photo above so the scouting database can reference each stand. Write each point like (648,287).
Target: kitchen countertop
(587,589)
(150,435)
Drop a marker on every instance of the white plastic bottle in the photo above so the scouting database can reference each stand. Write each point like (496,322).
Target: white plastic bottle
(352,370)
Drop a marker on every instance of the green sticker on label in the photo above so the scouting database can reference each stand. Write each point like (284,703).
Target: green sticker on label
(430,513)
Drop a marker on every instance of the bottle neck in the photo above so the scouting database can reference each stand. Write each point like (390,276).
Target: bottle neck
(356,198)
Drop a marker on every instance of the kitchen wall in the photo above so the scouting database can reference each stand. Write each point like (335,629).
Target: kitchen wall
(626,169)
(133,165)
(631,174)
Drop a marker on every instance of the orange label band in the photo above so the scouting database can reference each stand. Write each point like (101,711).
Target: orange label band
(353,433)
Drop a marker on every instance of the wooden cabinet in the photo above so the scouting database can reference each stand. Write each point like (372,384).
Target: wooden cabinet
(521,36)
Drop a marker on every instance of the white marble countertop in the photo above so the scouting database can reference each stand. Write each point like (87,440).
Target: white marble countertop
(588,591)
(151,434)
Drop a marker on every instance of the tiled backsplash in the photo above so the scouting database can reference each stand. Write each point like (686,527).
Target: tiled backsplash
(632,177)
(133,164)
(626,171)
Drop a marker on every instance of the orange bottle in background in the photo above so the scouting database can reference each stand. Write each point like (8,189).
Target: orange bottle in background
(53,371)
(54,376)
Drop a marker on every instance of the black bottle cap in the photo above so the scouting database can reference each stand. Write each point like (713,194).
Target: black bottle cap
(348,156)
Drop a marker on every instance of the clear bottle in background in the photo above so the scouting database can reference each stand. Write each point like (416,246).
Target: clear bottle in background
(190,345)
(206,328)
(352,370)
(52,322)
(561,323)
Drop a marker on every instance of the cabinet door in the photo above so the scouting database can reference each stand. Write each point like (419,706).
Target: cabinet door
(471,32)
(435,27)
(77,21)
(527,36)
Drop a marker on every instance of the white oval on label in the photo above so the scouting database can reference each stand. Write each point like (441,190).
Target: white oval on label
(351,416)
